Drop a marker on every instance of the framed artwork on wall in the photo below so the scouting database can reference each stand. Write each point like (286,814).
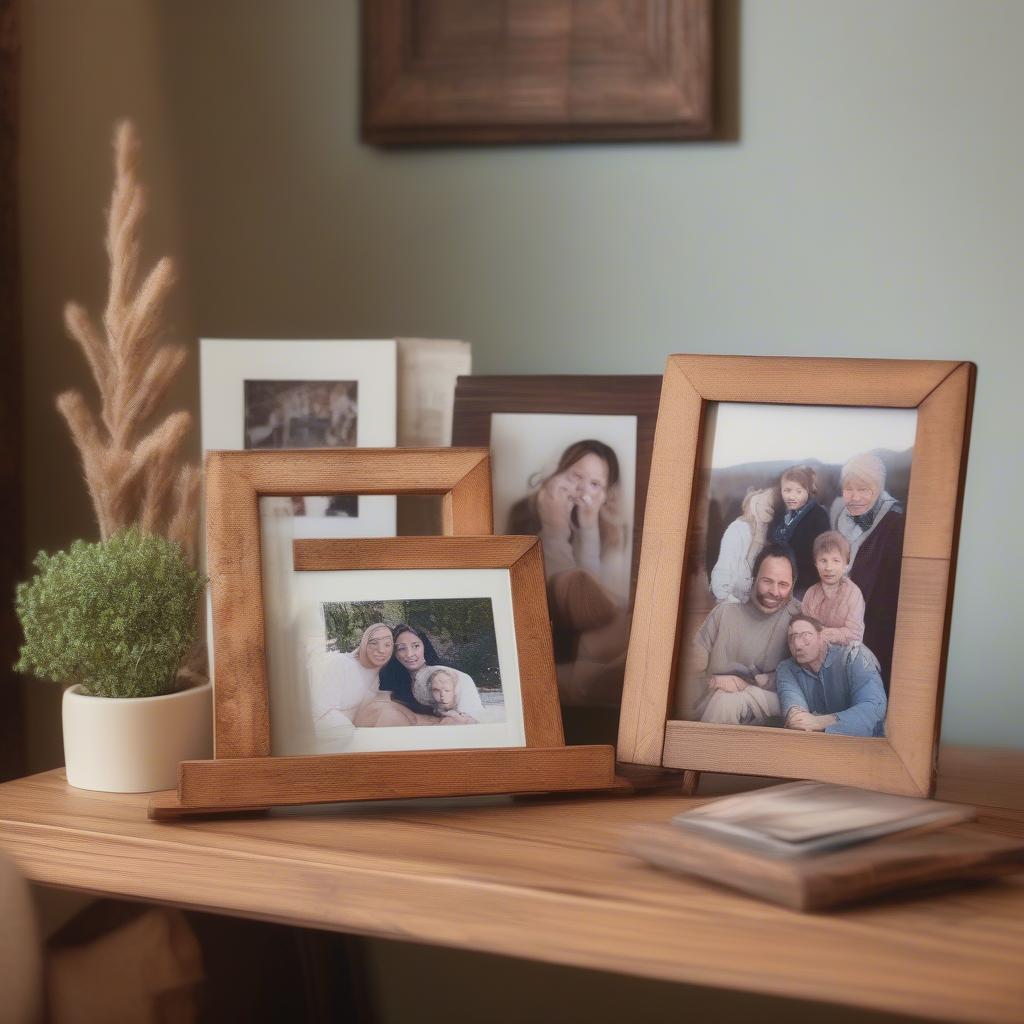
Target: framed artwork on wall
(411,666)
(520,71)
(796,574)
(570,457)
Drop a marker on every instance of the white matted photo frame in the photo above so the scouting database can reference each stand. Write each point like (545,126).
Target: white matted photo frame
(414,657)
(275,394)
(799,512)
(245,774)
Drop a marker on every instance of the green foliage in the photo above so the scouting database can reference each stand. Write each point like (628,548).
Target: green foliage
(461,630)
(117,617)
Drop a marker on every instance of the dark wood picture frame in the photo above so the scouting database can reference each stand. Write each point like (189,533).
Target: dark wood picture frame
(477,399)
(904,760)
(441,72)
(242,775)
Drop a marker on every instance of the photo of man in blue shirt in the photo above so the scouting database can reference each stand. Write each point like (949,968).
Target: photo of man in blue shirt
(829,688)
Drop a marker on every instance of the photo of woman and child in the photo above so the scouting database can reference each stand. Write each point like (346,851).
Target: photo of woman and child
(792,605)
(574,490)
(390,673)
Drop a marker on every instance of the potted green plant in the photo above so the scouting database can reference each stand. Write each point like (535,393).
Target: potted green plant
(115,619)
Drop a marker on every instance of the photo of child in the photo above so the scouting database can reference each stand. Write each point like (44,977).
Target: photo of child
(835,600)
(442,692)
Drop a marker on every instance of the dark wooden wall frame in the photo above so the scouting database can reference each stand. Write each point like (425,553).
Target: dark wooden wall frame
(242,775)
(519,71)
(904,761)
(478,398)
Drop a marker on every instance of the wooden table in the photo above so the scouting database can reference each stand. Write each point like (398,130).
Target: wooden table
(546,880)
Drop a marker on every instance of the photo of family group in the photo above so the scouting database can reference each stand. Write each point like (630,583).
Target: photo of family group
(281,414)
(569,479)
(404,663)
(793,572)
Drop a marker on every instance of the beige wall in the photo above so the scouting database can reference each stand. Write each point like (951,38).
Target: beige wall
(871,206)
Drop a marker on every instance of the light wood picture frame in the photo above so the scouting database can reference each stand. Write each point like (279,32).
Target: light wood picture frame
(526,422)
(235,481)
(903,761)
(242,774)
(520,556)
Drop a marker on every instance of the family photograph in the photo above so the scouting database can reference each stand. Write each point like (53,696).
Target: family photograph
(405,663)
(793,584)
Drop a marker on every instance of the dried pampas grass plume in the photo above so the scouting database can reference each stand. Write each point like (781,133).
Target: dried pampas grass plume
(133,467)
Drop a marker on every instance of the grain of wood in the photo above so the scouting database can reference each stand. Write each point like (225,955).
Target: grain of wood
(919,657)
(537,73)
(466,508)
(792,380)
(355,470)
(936,476)
(390,775)
(542,715)
(650,663)
(241,713)
(785,753)
(410,553)
(841,877)
(546,880)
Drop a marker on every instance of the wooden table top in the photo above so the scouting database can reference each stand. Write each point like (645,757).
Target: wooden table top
(546,880)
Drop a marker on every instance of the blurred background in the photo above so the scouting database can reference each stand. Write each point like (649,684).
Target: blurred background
(862,198)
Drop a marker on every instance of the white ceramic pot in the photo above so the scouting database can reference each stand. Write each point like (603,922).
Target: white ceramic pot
(134,744)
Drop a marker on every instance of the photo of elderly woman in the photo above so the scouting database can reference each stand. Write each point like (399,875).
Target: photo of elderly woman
(793,570)
(388,664)
(570,480)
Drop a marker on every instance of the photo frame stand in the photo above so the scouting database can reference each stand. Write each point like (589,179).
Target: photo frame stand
(691,780)
(243,775)
(253,784)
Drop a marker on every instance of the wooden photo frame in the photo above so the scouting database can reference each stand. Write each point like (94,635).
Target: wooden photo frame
(527,422)
(901,761)
(242,774)
(518,72)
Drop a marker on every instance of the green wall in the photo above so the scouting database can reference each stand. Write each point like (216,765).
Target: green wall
(868,205)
